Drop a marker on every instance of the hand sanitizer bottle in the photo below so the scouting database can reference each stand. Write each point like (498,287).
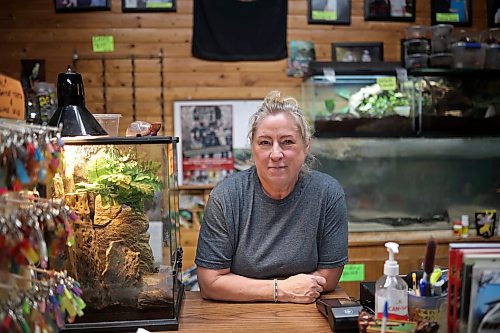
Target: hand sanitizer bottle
(391,288)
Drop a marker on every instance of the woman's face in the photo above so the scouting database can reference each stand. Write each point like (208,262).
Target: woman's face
(279,152)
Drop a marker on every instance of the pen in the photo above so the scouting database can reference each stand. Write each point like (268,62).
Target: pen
(385,314)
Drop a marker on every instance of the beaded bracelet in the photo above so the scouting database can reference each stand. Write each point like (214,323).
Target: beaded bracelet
(275,290)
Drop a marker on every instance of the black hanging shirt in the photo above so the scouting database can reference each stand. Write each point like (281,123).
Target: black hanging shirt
(233,30)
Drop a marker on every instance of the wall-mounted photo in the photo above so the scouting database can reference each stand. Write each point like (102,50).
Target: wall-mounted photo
(390,10)
(329,11)
(454,12)
(148,6)
(64,6)
(493,13)
(358,52)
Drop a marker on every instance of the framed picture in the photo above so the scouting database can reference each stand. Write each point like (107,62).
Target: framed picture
(212,139)
(148,6)
(390,10)
(329,11)
(454,12)
(358,52)
(68,6)
(493,12)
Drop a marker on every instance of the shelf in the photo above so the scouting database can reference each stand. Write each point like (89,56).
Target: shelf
(494,73)
(354,68)
(196,187)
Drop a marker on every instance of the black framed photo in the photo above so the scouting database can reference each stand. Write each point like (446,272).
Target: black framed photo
(68,6)
(329,11)
(390,10)
(493,12)
(137,6)
(358,52)
(454,12)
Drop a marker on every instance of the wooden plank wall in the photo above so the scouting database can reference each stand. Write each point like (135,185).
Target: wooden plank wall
(32,30)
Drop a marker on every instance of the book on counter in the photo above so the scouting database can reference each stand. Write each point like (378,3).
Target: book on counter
(460,279)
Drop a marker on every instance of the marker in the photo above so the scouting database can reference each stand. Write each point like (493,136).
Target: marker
(385,314)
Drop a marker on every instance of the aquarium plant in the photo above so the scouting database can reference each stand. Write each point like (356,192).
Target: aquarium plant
(122,179)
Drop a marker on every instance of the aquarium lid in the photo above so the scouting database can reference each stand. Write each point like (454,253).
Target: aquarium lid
(97,140)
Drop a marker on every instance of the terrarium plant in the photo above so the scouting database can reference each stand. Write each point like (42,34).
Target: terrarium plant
(120,179)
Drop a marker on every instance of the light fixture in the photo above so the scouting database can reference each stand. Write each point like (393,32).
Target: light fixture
(71,111)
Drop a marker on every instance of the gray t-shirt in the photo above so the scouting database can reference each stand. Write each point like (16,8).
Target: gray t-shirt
(258,237)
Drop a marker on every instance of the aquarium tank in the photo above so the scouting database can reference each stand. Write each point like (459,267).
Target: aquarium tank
(126,256)
(412,183)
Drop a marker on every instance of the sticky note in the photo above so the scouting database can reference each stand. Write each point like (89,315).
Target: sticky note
(103,44)
(11,98)
(353,272)
(447,17)
(387,83)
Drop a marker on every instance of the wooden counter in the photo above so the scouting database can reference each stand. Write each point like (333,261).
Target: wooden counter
(199,315)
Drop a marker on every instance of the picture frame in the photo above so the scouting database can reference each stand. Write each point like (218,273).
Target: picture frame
(394,10)
(202,159)
(329,12)
(455,12)
(72,6)
(358,52)
(144,6)
(493,13)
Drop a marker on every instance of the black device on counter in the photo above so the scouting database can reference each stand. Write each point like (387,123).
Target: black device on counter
(342,313)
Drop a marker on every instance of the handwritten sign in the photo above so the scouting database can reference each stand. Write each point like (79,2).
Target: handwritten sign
(11,98)
(103,44)
(447,17)
(353,272)
(387,83)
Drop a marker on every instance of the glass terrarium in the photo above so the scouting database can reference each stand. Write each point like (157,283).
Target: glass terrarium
(127,254)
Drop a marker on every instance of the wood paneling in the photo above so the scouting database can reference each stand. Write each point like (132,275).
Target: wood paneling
(35,31)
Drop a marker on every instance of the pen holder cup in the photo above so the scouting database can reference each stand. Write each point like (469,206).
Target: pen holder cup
(431,308)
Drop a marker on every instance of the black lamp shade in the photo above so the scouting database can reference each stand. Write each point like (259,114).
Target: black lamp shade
(71,110)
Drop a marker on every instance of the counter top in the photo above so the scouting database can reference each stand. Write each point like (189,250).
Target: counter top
(199,315)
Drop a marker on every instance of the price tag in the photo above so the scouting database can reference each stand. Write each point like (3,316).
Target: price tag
(103,44)
(329,74)
(353,272)
(447,17)
(387,83)
(11,98)
(324,15)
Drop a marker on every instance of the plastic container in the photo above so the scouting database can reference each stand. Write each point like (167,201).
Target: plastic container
(417,31)
(492,56)
(414,46)
(468,55)
(465,226)
(109,121)
(418,60)
(427,308)
(441,38)
(441,60)
(391,288)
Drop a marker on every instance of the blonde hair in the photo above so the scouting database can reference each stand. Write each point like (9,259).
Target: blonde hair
(274,104)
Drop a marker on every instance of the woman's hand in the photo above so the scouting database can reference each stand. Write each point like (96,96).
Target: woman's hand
(301,288)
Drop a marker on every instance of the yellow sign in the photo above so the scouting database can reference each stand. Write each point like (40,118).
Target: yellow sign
(387,83)
(11,98)
(447,17)
(324,15)
(353,272)
(103,44)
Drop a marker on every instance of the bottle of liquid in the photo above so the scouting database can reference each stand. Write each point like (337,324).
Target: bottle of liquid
(391,288)
(465,226)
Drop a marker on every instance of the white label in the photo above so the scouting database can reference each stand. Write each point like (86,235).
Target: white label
(398,305)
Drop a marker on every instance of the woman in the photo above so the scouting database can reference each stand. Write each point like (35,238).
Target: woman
(277,231)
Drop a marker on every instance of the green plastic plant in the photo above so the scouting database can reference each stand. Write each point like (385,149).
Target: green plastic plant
(122,179)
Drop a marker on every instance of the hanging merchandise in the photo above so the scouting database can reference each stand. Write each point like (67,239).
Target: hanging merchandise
(230,30)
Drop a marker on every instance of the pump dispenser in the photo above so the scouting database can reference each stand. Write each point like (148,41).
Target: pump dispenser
(391,288)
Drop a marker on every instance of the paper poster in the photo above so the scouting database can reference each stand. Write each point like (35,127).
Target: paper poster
(11,98)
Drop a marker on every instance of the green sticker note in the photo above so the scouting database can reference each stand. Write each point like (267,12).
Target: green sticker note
(103,44)
(353,272)
(324,15)
(387,83)
(447,17)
